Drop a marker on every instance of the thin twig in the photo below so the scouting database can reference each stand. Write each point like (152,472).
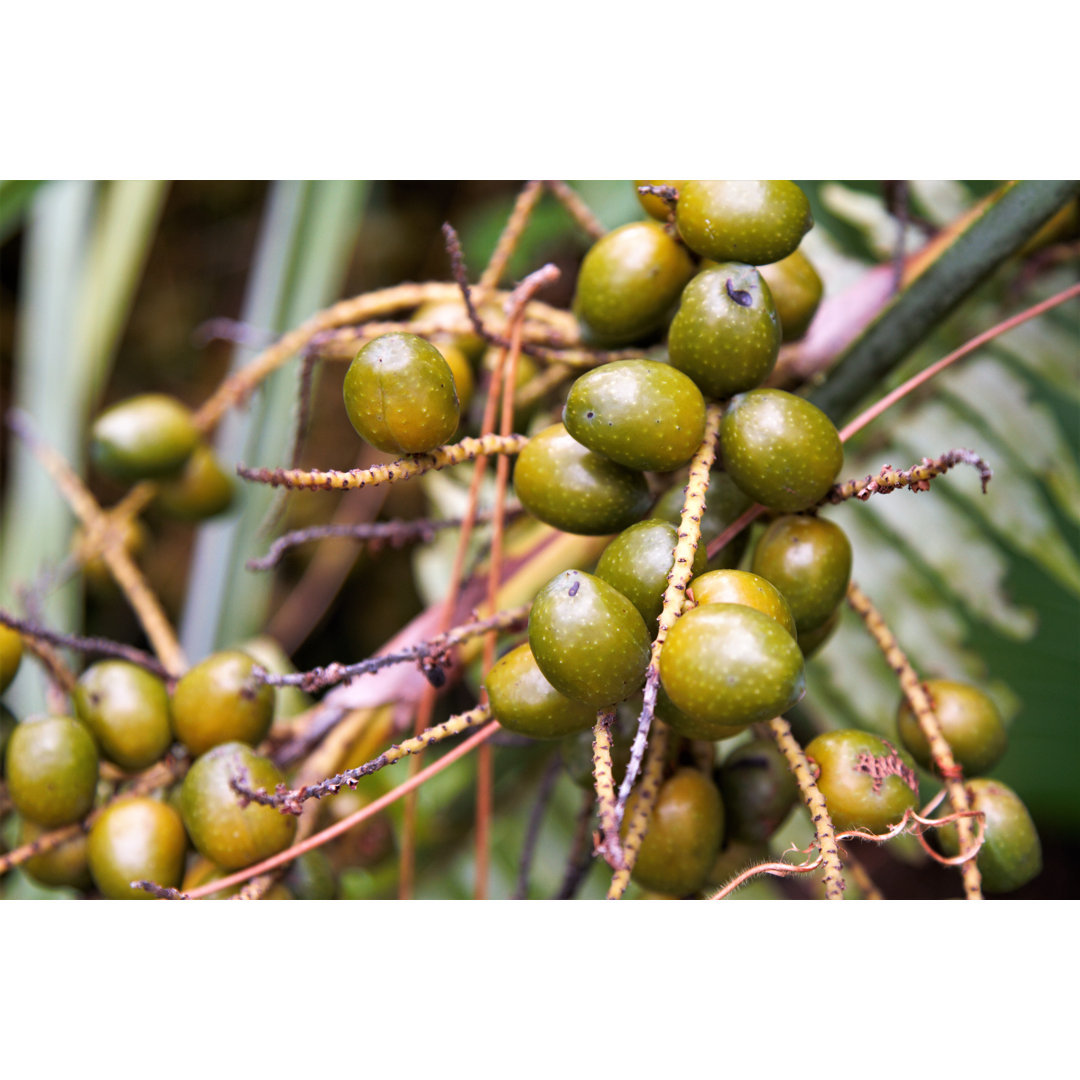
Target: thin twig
(917,478)
(524,205)
(575,204)
(536,819)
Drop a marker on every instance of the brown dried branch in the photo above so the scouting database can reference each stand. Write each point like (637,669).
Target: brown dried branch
(575,204)
(511,234)
(536,818)
(917,478)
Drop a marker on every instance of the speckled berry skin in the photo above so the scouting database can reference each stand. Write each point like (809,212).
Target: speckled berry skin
(685,829)
(726,333)
(640,413)
(219,701)
(201,490)
(11,650)
(809,560)
(522,700)
(147,436)
(224,832)
(127,709)
(637,563)
(629,281)
(51,766)
(400,395)
(742,587)
(780,449)
(1011,854)
(969,720)
(575,489)
(863,779)
(728,664)
(750,221)
(724,502)
(796,291)
(758,791)
(588,639)
(689,727)
(137,839)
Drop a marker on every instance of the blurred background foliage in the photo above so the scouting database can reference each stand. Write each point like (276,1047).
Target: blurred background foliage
(104,285)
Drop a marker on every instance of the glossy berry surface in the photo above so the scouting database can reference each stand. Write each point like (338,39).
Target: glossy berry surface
(1011,854)
(127,709)
(750,221)
(865,782)
(640,413)
(51,768)
(780,449)
(221,829)
(522,700)
(137,839)
(588,639)
(724,502)
(727,664)
(11,650)
(809,560)
(796,291)
(969,720)
(637,563)
(685,829)
(690,727)
(147,436)
(741,587)
(400,396)
(219,701)
(629,281)
(758,790)
(201,490)
(726,333)
(575,489)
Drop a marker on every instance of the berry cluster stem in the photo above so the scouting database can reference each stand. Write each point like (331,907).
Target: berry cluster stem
(604,777)
(917,478)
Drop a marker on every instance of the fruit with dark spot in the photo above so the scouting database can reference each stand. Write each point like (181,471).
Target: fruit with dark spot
(750,221)
(575,489)
(11,650)
(809,560)
(865,782)
(51,767)
(726,333)
(656,207)
(629,281)
(780,449)
(724,502)
(400,396)
(640,413)
(138,839)
(969,720)
(796,290)
(588,639)
(758,790)
(201,490)
(741,587)
(142,437)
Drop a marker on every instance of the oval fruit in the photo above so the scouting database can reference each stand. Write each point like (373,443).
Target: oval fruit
(796,290)
(147,436)
(201,490)
(741,587)
(758,791)
(969,720)
(51,768)
(138,839)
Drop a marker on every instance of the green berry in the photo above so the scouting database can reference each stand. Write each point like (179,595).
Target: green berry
(653,205)
(143,437)
(689,727)
(970,723)
(813,641)
(65,865)
(642,414)
(11,650)
(865,782)
(220,701)
(221,829)
(522,700)
(779,449)
(400,396)
(796,290)
(750,221)
(727,664)
(575,489)
(201,490)
(1011,854)
(138,839)
(809,560)
(629,281)
(741,587)
(726,334)
(51,767)
(724,502)
(313,877)
(758,790)
(637,563)
(588,639)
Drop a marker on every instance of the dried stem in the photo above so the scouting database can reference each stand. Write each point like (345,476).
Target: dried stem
(922,706)
(604,774)
(815,802)
(511,234)
(536,818)
(575,204)
(59,674)
(917,478)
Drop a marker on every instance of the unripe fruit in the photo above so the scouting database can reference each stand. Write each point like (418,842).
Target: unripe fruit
(727,664)
(588,639)
(201,490)
(640,413)
(726,333)
(685,829)
(796,290)
(809,560)
(127,709)
(11,650)
(220,828)
(147,436)
(750,221)
(629,281)
(219,701)
(137,839)
(52,769)
(969,720)
(689,727)
(813,641)
(653,205)
(740,587)
(724,502)
(572,488)
(779,449)
(522,700)
(65,865)
(758,791)
(865,782)
(400,396)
